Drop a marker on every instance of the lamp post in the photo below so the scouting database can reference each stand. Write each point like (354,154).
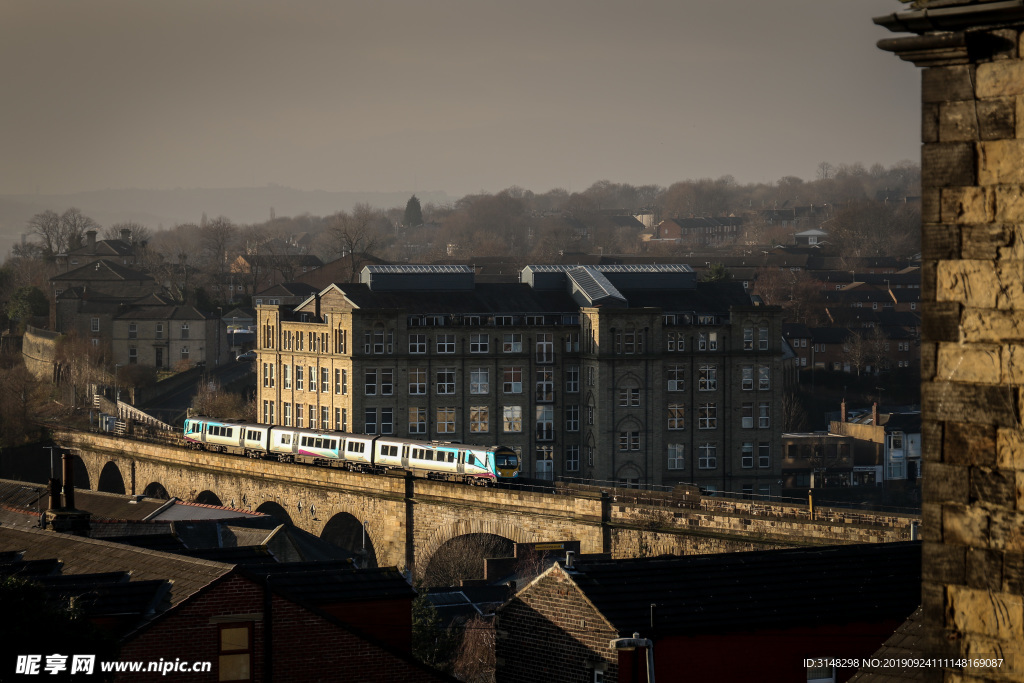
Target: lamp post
(117,392)
(628,644)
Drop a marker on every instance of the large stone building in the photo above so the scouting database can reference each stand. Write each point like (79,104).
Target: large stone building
(634,374)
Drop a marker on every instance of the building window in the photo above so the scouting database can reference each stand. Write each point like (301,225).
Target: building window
(707,416)
(545,347)
(629,441)
(545,423)
(764,415)
(417,381)
(572,379)
(747,416)
(478,343)
(479,381)
(387,381)
(286,376)
(446,420)
(298,414)
(545,462)
(159,330)
(325,380)
(708,456)
(512,380)
(479,419)
(287,408)
(417,420)
(184,353)
(387,420)
(707,341)
(590,376)
(572,458)
(747,375)
(370,421)
(762,338)
(545,386)
(512,343)
(337,381)
(446,343)
(133,356)
(629,397)
(748,338)
(764,455)
(417,343)
(764,377)
(572,418)
(590,415)
(676,416)
(675,341)
(512,419)
(572,342)
(378,339)
(312,378)
(747,455)
(234,662)
(676,453)
(312,417)
(446,381)
(184,330)
(337,420)
(707,379)
(370,385)
(298,377)
(133,331)
(676,375)
(94,324)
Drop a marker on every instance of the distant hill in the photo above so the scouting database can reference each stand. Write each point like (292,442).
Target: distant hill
(156,208)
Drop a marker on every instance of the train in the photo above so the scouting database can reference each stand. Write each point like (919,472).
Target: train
(357,452)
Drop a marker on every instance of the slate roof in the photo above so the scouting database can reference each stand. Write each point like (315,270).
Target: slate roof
(165,313)
(910,641)
(88,555)
(483,298)
(750,591)
(103,270)
(321,583)
(289,289)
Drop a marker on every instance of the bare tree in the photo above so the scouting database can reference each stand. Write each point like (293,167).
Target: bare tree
(355,236)
(463,558)
(475,661)
(137,232)
(218,239)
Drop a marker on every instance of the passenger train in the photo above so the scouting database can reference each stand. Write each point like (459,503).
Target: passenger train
(359,452)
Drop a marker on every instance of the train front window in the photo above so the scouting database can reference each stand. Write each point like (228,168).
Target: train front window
(507,459)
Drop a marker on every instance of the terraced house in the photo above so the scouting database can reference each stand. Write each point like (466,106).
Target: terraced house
(632,374)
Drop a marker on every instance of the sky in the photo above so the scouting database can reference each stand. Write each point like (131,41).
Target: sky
(459,96)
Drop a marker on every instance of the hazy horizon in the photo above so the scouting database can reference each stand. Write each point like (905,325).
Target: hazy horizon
(450,96)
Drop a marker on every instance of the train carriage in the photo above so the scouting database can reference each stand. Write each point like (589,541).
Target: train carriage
(219,435)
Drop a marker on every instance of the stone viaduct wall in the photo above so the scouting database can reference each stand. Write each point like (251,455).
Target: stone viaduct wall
(410,518)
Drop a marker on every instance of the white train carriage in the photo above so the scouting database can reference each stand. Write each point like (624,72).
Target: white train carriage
(225,436)
(359,451)
(256,440)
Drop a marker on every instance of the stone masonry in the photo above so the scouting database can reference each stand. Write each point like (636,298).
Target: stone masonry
(410,518)
(972,127)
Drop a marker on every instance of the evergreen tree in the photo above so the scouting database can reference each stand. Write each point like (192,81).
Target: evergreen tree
(413,213)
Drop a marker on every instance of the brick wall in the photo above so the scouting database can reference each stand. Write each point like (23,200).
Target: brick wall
(549,632)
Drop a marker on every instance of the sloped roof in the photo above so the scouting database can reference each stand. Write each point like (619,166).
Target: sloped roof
(332,582)
(88,555)
(103,270)
(164,313)
(755,590)
(483,298)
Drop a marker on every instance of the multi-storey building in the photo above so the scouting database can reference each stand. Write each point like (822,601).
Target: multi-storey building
(633,374)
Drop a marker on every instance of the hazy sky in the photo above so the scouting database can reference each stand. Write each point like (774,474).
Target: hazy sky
(452,95)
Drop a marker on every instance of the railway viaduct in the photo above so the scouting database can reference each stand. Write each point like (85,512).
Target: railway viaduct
(407,519)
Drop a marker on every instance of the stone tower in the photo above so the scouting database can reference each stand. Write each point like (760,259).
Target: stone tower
(972,355)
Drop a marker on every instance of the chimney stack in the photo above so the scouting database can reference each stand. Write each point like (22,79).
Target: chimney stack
(126,235)
(69,480)
(90,240)
(65,518)
(842,412)
(874,413)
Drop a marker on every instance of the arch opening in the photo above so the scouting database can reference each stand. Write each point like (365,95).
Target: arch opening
(463,557)
(111,480)
(208,498)
(156,490)
(276,511)
(81,474)
(346,532)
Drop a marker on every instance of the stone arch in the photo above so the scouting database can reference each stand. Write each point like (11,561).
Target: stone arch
(81,473)
(346,531)
(464,527)
(629,471)
(463,557)
(208,497)
(277,511)
(156,490)
(111,480)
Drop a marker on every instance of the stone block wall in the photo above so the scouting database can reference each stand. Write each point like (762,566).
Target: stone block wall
(972,100)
